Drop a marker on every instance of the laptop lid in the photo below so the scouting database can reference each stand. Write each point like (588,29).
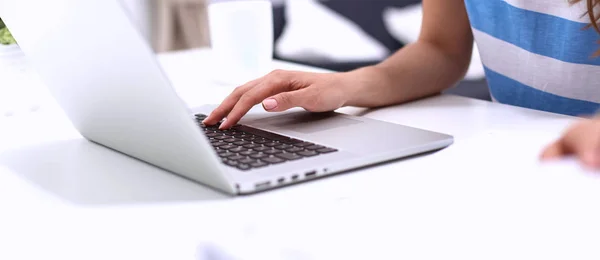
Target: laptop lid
(106,78)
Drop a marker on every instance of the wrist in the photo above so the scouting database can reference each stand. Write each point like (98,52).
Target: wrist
(363,83)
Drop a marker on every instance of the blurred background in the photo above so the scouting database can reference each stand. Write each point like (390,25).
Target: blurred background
(339,35)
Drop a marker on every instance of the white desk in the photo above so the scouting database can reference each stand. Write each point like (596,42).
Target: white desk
(62,197)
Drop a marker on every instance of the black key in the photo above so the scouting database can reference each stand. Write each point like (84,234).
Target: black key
(230,136)
(260,141)
(274,151)
(247,161)
(251,146)
(294,150)
(227,147)
(240,143)
(261,133)
(295,141)
(258,164)
(290,141)
(244,167)
(326,150)
(272,160)
(237,157)
(212,134)
(289,156)
(315,147)
(231,163)
(238,149)
(219,144)
(303,144)
(201,117)
(308,153)
(259,156)
(271,144)
(284,146)
(221,137)
(226,154)
(249,152)
(262,148)
(230,140)
(242,136)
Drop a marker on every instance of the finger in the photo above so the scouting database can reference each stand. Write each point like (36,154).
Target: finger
(591,159)
(277,82)
(584,145)
(588,152)
(287,100)
(225,107)
(554,151)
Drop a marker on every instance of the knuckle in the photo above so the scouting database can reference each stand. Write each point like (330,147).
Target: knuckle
(278,74)
(277,81)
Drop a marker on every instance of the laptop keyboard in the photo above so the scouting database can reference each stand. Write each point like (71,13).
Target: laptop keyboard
(249,148)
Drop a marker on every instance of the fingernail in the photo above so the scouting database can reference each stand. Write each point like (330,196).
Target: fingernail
(270,104)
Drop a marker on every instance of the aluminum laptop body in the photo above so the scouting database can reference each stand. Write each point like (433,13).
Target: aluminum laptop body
(106,78)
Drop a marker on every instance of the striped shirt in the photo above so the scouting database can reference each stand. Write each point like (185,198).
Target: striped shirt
(537,54)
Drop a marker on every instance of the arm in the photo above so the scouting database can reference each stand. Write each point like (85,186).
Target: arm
(437,61)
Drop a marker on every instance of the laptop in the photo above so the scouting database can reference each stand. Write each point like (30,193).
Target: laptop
(106,78)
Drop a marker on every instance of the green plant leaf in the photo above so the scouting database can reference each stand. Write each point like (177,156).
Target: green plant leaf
(6,37)
(2,25)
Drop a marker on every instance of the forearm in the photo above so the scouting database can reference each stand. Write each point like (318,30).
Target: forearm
(416,71)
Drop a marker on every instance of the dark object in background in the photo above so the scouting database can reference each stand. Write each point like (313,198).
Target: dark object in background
(368,15)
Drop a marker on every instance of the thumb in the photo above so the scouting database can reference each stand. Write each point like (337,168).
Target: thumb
(284,101)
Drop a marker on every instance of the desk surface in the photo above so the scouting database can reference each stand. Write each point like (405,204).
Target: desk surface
(62,197)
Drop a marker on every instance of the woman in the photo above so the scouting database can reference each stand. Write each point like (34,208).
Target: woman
(537,54)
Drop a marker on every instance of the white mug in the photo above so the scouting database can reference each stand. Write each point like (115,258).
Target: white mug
(241,34)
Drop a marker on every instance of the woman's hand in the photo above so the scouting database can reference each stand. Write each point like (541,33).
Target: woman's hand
(281,90)
(581,140)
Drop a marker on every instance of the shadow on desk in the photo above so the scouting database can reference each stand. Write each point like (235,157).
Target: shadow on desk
(83,173)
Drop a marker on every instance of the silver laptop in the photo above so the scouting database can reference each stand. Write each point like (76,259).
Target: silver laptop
(106,78)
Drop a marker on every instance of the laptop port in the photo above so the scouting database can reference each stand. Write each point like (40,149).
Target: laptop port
(310,174)
(295,177)
(281,180)
(262,185)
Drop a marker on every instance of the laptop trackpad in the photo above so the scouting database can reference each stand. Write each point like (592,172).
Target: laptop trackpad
(308,123)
